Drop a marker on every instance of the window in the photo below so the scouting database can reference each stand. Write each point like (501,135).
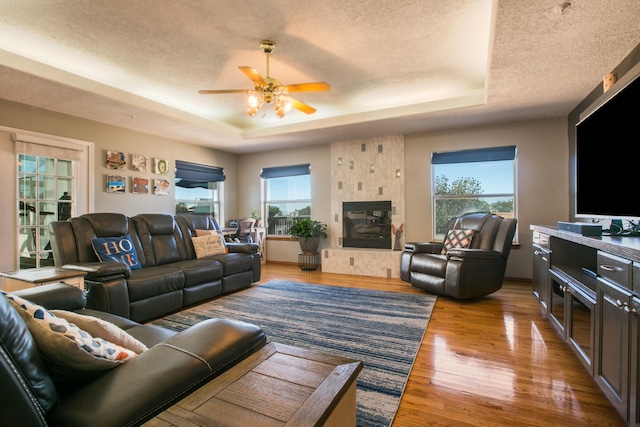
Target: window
(45,194)
(199,189)
(287,192)
(479,180)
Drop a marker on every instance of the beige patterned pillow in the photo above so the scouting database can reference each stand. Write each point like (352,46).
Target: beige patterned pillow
(70,353)
(208,245)
(102,329)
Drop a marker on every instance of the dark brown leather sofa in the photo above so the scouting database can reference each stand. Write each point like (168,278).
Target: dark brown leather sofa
(171,277)
(175,364)
(462,273)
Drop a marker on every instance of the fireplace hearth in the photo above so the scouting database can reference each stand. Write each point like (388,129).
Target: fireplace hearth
(366,224)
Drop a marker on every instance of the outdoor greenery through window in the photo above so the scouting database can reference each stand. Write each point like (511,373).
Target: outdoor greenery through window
(480,180)
(287,197)
(44,195)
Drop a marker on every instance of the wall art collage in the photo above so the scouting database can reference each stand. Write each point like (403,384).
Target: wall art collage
(140,164)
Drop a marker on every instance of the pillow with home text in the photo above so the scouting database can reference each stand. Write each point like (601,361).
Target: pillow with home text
(116,249)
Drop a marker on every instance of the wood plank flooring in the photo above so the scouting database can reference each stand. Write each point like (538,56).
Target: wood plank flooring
(492,362)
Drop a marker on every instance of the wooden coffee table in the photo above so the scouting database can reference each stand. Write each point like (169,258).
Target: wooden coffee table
(279,385)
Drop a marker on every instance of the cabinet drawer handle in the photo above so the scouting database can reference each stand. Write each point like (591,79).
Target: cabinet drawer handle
(627,309)
(607,267)
(622,305)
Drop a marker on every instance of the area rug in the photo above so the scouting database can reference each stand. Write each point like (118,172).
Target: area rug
(382,329)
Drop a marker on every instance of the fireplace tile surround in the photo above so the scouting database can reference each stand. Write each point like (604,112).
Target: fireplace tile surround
(365,170)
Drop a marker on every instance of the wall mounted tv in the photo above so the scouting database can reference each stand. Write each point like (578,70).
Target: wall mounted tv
(607,158)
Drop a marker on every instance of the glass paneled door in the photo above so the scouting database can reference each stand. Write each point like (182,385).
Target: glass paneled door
(44,195)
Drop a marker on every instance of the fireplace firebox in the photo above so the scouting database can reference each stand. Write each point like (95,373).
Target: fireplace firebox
(366,224)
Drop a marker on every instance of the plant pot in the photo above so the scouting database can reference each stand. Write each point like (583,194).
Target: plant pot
(309,244)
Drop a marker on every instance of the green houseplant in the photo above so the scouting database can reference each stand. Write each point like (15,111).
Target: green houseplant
(309,232)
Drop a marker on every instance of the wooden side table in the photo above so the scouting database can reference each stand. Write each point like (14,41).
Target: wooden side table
(29,278)
(279,385)
(308,261)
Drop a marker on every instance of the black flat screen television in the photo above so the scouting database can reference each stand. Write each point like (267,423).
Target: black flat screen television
(607,167)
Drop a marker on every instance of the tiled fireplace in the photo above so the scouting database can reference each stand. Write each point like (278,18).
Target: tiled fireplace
(369,172)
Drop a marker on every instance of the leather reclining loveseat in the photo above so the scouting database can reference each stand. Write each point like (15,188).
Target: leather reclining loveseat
(174,365)
(171,276)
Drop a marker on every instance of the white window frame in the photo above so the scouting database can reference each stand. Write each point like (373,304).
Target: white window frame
(480,151)
(283,225)
(44,145)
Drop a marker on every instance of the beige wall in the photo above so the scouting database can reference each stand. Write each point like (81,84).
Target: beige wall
(542,174)
(106,137)
(250,165)
(542,177)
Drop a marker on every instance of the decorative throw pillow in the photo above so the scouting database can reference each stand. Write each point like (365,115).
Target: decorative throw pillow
(116,249)
(102,329)
(202,233)
(208,245)
(457,239)
(70,354)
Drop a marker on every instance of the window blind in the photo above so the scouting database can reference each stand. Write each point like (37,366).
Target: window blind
(474,155)
(194,175)
(282,171)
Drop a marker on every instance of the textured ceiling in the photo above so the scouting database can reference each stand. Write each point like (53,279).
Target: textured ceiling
(394,66)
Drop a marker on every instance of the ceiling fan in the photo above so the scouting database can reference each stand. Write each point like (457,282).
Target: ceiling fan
(268,90)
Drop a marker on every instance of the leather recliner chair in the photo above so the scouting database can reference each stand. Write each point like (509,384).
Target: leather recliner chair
(462,273)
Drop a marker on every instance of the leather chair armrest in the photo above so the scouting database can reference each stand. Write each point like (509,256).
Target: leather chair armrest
(143,387)
(246,248)
(60,296)
(101,271)
(464,254)
(423,247)
(109,295)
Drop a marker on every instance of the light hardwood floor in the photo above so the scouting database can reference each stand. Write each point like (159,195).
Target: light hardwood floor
(491,362)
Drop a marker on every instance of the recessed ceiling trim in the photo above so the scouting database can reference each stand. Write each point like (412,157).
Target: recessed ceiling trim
(472,99)
(57,75)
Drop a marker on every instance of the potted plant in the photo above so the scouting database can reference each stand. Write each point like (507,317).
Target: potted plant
(309,232)
(256,215)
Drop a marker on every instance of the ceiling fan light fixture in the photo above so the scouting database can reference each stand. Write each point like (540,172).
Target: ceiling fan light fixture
(267,90)
(287,105)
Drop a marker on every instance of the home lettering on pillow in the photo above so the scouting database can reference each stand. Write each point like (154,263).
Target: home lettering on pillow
(122,249)
(116,249)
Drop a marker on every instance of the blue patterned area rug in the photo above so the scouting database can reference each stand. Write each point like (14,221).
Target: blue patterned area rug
(382,329)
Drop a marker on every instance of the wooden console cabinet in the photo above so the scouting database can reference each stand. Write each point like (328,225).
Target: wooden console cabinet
(589,287)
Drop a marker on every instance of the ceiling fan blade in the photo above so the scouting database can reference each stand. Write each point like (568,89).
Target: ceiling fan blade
(299,105)
(213,92)
(308,87)
(253,74)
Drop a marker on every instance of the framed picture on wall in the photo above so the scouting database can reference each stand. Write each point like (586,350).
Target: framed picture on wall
(116,184)
(160,166)
(140,185)
(139,163)
(115,160)
(161,187)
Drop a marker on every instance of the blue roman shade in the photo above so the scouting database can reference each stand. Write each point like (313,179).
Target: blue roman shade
(475,155)
(194,175)
(283,171)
